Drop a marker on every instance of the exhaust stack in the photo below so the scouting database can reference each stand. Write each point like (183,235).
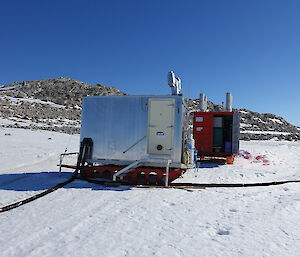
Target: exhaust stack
(228,102)
(203,102)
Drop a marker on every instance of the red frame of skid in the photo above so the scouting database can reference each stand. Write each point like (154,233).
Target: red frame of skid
(141,175)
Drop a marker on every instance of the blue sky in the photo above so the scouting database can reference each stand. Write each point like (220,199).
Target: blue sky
(248,47)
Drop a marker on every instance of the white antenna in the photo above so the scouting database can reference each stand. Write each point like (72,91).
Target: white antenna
(174,83)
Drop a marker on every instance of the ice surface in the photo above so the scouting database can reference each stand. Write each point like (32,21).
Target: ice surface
(83,219)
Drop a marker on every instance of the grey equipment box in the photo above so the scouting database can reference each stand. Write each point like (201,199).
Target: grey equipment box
(129,128)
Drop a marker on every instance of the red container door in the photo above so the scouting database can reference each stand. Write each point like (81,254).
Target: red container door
(203,132)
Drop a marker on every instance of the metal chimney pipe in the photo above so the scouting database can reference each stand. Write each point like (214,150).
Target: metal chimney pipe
(228,102)
(202,102)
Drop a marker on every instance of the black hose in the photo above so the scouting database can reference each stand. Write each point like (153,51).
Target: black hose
(190,185)
(85,152)
(32,198)
(261,184)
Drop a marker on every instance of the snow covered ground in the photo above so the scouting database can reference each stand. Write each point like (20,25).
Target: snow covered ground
(83,219)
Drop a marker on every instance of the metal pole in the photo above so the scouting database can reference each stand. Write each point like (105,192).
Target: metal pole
(167,173)
(60,162)
(61,159)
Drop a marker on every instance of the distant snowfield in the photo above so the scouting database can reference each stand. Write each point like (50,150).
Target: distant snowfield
(83,219)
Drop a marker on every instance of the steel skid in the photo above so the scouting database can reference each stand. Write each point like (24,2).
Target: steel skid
(141,175)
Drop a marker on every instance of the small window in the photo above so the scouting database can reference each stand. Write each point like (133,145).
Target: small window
(199,119)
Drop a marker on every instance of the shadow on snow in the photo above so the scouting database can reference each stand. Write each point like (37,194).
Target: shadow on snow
(209,165)
(46,180)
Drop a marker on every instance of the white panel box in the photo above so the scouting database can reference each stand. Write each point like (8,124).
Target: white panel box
(161,126)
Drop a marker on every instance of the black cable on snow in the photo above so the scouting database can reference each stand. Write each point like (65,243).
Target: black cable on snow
(120,183)
(260,184)
(32,198)
(85,150)
(187,185)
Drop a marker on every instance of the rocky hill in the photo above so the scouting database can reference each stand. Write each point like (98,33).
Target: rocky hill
(256,126)
(50,104)
(55,104)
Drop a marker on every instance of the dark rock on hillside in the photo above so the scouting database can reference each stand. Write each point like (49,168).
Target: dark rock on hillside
(55,104)
(63,91)
(50,104)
